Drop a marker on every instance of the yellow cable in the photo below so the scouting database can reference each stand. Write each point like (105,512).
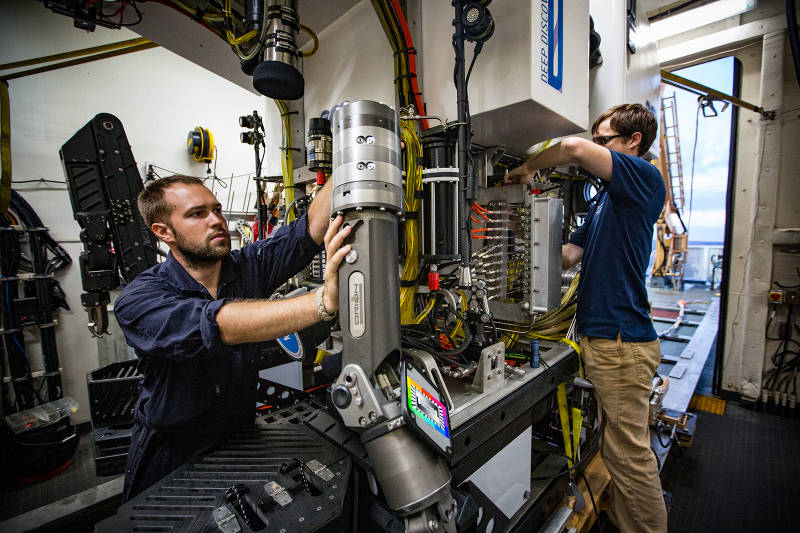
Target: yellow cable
(411,225)
(313,38)
(5,147)
(425,312)
(287,165)
(75,53)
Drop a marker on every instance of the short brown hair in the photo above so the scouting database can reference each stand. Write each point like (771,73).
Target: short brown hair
(627,119)
(151,199)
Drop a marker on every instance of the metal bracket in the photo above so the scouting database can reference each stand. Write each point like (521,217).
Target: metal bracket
(364,409)
(278,493)
(226,520)
(429,367)
(320,470)
(491,368)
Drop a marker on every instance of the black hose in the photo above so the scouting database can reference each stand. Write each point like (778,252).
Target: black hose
(464,181)
(794,40)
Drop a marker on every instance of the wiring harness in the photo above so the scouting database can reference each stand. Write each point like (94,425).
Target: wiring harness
(41,295)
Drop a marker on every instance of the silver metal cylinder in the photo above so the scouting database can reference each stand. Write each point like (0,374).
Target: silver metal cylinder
(283,27)
(367,162)
(411,475)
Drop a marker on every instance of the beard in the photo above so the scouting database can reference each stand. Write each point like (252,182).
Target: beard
(202,254)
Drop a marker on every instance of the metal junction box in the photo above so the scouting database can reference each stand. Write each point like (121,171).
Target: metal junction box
(519,253)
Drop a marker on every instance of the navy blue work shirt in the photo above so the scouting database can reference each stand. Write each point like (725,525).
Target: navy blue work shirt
(192,381)
(616,238)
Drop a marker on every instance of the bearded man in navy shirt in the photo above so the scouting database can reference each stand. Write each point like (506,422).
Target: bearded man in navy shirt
(196,320)
(619,345)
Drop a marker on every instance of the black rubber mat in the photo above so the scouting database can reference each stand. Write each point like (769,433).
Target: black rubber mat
(740,475)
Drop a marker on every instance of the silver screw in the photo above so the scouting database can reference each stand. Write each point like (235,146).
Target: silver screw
(351,256)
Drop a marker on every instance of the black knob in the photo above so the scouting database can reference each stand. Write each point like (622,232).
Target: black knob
(341,396)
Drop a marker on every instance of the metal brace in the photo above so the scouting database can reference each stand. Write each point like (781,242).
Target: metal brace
(491,368)
(431,369)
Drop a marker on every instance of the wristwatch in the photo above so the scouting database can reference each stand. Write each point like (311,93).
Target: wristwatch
(322,313)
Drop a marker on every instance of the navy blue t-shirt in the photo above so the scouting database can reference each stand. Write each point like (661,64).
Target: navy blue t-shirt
(616,240)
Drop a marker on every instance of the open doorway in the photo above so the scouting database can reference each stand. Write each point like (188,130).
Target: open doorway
(691,252)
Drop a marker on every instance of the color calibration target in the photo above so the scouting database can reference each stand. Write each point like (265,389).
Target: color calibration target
(425,406)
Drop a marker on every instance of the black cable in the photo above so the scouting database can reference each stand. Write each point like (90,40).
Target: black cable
(658,461)
(476,51)
(105,18)
(661,442)
(794,40)
(40,180)
(591,497)
(589,454)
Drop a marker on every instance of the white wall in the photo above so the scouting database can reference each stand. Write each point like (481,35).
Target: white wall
(623,77)
(354,62)
(158,96)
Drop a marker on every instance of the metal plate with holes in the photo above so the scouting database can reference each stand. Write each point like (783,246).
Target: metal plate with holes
(187,498)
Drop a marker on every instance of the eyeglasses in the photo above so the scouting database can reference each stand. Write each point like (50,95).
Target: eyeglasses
(602,140)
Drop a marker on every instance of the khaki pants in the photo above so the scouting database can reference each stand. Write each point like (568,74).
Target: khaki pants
(622,375)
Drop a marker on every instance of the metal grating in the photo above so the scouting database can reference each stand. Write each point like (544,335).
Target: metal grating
(186,499)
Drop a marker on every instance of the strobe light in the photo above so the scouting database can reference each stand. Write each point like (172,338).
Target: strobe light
(278,76)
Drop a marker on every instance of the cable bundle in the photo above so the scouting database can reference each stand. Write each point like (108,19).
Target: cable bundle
(224,22)
(287,164)
(48,295)
(782,378)
(411,202)
(405,67)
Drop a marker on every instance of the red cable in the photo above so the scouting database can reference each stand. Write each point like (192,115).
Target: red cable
(312,389)
(412,61)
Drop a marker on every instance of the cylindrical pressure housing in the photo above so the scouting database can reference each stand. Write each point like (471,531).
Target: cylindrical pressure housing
(439,213)
(367,164)
(319,150)
(411,475)
(278,76)
(439,226)
(367,188)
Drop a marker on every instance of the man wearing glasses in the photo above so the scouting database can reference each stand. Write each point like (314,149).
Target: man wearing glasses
(619,345)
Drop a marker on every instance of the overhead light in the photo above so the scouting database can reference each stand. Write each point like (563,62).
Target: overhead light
(700,16)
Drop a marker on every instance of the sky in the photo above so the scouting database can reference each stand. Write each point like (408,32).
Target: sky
(706,218)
